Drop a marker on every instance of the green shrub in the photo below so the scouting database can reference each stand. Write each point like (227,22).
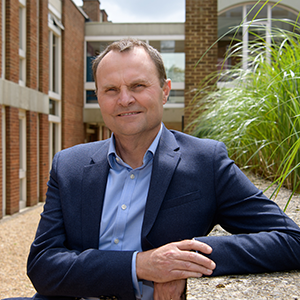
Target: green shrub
(258,115)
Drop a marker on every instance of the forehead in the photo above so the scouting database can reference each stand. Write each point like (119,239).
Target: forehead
(136,57)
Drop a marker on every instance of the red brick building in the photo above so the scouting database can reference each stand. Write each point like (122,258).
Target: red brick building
(41,91)
(47,98)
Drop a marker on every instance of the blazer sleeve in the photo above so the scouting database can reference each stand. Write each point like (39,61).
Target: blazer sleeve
(58,267)
(263,237)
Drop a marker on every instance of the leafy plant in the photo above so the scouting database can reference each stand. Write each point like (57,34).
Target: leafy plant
(257,112)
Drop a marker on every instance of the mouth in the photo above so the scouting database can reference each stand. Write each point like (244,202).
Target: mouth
(128,114)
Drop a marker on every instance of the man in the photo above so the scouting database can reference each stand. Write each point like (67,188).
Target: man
(121,214)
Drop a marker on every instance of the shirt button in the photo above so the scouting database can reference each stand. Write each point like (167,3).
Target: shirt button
(132,176)
(124,206)
(116,241)
(117,159)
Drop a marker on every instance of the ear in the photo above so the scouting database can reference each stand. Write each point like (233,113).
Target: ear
(166,90)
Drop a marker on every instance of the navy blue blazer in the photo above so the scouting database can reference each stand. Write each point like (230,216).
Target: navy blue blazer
(194,186)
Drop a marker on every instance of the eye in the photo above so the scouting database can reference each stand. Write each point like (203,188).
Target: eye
(138,86)
(111,90)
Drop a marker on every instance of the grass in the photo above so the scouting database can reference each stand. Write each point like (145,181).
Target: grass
(257,114)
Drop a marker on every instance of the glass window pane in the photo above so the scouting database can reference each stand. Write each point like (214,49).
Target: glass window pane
(21,69)
(54,141)
(21,21)
(91,97)
(255,12)
(174,65)
(228,20)
(54,64)
(53,107)
(173,56)
(92,50)
(282,15)
(167,46)
(176,96)
(21,146)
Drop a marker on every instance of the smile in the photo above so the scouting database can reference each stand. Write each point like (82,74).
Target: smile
(128,114)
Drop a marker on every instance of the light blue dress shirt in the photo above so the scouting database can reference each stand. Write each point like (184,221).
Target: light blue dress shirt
(124,207)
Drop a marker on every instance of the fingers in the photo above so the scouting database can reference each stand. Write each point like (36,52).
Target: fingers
(180,260)
(194,245)
(170,290)
(175,261)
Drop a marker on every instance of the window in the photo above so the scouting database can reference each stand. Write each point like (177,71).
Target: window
(54,139)
(91,97)
(22,42)
(176,96)
(3,40)
(232,18)
(92,50)
(173,56)
(3,162)
(55,79)
(22,158)
(54,63)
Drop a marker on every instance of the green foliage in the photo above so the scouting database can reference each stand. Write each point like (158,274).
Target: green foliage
(257,113)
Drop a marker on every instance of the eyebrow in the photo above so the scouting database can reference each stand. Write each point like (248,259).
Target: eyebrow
(137,81)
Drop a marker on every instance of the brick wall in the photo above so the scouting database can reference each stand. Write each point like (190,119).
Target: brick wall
(1,38)
(201,32)
(12,159)
(12,40)
(72,75)
(31,44)
(43,86)
(43,155)
(37,78)
(32,148)
(92,9)
(43,47)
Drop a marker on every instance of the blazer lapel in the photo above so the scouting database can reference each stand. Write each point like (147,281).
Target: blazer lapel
(93,190)
(165,162)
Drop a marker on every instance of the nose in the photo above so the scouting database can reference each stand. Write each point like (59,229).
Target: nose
(125,97)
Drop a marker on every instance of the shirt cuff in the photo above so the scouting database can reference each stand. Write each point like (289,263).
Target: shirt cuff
(138,286)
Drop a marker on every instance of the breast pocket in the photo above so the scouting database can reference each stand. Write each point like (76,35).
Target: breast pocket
(181,200)
(182,217)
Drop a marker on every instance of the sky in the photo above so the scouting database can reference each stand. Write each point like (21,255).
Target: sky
(131,11)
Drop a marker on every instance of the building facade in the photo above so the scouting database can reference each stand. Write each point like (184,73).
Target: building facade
(41,90)
(47,98)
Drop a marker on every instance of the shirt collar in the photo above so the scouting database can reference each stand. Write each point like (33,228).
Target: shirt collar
(112,154)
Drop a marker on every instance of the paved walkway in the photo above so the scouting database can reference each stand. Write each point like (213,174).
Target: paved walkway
(16,235)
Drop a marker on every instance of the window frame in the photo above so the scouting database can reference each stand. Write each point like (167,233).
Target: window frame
(22,41)
(23,156)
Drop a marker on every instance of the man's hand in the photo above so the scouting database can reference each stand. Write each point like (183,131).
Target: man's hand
(174,261)
(170,290)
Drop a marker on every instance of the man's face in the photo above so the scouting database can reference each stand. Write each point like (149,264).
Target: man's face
(129,93)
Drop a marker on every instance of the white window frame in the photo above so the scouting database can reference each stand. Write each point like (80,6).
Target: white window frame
(22,47)
(58,63)
(3,162)
(55,30)
(23,164)
(3,40)
(267,23)
(54,143)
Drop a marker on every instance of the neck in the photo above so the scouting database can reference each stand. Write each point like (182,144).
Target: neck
(132,150)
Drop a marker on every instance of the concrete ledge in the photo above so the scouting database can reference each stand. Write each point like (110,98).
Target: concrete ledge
(279,285)
(12,94)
